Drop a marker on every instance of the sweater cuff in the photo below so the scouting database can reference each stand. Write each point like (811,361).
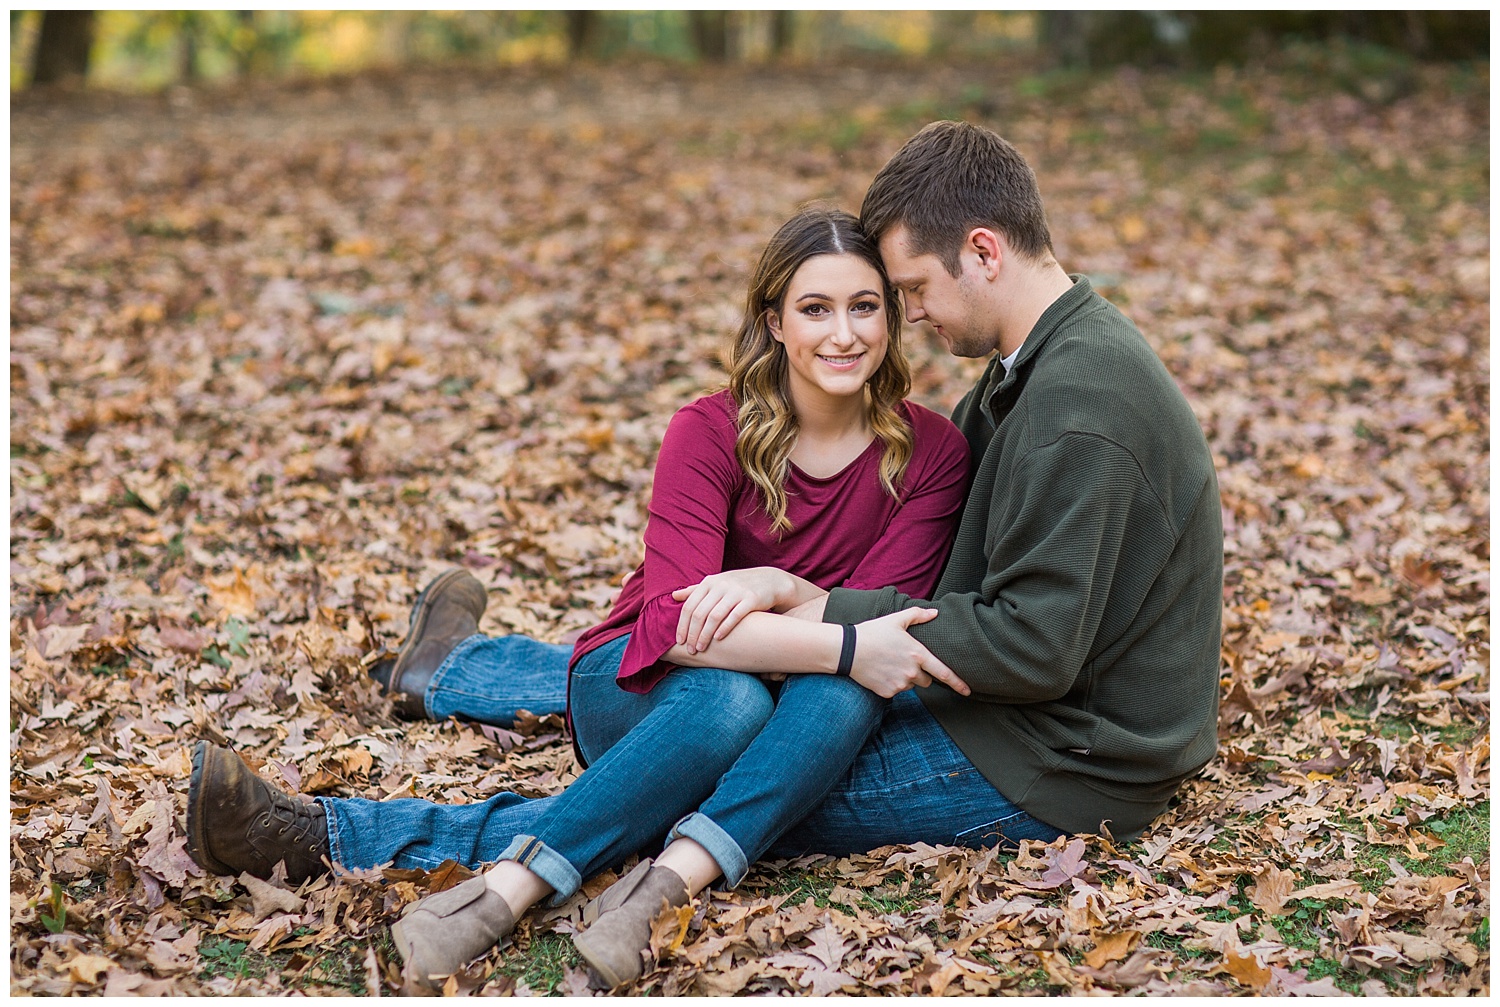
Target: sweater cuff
(847,605)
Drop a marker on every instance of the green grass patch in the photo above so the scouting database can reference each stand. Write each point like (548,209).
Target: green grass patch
(340,966)
(542,964)
(1465,832)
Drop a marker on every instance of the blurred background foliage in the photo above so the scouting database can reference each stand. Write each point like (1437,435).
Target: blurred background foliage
(150,50)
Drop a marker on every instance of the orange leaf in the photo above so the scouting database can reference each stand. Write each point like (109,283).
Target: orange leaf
(447,874)
(1246,970)
(1111,948)
(1420,573)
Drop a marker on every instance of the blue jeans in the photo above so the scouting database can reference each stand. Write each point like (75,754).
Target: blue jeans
(707,750)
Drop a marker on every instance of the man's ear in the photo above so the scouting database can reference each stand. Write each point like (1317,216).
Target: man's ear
(989,247)
(773,322)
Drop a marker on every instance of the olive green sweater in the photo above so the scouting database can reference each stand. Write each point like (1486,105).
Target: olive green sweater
(1082,600)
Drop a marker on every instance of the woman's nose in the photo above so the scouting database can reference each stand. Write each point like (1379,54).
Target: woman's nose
(843,331)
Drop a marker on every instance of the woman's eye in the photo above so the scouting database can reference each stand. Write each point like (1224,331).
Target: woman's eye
(814,310)
(867,306)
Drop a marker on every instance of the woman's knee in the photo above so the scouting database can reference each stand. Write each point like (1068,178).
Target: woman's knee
(832,699)
(732,704)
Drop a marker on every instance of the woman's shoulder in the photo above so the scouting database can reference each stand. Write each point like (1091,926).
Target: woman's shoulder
(715,411)
(704,424)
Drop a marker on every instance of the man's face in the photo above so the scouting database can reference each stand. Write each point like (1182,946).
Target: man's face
(950,304)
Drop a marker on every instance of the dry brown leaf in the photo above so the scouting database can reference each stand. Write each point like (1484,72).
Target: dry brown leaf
(1272,889)
(267,899)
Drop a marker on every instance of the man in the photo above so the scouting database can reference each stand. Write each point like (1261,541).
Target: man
(1081,602)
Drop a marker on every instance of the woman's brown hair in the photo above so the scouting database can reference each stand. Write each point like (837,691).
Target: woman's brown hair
(758,366)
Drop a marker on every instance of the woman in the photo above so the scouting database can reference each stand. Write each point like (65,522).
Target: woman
(810,463)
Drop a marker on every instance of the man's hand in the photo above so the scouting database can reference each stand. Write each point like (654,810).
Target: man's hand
(716,604)
(888,659)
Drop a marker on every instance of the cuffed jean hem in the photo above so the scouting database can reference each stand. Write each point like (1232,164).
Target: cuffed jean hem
(455,655)
(335,848)
(547,864)
(720,845)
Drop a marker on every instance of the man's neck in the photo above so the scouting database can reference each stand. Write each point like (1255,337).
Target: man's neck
(1032,290)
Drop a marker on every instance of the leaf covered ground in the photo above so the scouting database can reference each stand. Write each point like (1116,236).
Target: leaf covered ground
(280,355)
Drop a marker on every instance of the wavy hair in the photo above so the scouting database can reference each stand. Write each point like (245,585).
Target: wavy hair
(767,423)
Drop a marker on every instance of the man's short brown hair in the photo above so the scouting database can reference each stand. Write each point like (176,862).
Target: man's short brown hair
(949,179)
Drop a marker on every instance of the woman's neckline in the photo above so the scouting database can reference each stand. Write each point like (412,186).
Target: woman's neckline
(874,441)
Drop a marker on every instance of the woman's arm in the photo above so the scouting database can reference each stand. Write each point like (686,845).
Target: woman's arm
(910,554)
(716,604)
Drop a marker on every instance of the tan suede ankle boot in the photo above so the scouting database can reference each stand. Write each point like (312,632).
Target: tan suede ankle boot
(440,934)
(612,946)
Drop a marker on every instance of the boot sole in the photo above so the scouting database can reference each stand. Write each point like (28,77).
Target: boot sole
(418,622)
(404,949)
(197,838)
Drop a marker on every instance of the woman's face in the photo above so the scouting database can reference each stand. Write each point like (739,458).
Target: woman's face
(832,323)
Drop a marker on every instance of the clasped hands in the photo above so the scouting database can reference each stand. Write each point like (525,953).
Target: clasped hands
(887,659)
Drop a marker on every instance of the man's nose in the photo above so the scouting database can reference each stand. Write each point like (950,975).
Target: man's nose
(914,312)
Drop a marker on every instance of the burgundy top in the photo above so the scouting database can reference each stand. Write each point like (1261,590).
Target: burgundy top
(706,516)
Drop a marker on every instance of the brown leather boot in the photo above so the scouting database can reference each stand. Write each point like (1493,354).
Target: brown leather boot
(447,612)
(237,822)
(440,934)
(612,946)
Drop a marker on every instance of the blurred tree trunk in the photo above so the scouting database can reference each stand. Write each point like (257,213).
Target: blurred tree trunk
(1065,34)
(244,42)
(781,33)
(187,46)
(583,32)
(710,29)
(62,48)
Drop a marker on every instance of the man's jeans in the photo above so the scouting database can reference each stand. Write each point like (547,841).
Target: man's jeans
(707,749)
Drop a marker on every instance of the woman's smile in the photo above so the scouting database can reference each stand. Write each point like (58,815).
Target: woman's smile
(833,327)
(843,363)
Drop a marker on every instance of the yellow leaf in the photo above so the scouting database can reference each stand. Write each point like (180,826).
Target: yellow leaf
(354,246)
(1132,229)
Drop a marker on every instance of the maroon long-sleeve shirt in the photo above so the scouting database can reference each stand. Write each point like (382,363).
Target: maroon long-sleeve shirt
(706,516)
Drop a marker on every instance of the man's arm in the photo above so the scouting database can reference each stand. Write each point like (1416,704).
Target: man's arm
(887,660)
(1058,545)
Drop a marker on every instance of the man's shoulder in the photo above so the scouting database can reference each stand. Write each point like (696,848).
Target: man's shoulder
(1099,376)
(1096,361)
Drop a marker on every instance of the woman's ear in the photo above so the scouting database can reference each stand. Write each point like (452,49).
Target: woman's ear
(773,322)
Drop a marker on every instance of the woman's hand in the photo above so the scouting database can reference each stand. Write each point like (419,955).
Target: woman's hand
(716,604)
(888,659)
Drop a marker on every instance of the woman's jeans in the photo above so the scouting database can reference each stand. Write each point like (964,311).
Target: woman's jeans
(743,774)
